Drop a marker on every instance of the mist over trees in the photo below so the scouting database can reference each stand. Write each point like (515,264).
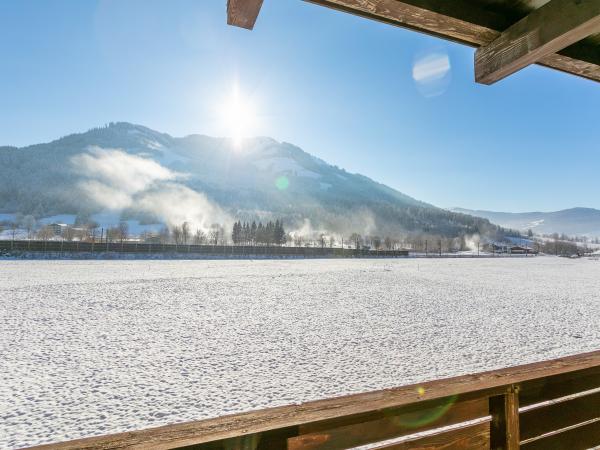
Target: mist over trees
(272,233)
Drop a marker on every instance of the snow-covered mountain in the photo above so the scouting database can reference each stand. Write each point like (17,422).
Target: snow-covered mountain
(573,221)
(153,176)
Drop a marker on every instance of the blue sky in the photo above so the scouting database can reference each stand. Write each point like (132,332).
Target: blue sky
(338,86)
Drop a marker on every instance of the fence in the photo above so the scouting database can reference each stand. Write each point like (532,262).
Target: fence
(548,405)
(182,250)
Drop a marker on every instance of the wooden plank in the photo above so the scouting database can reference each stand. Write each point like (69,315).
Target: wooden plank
(203,431)
(466,22)
(551,388)
(474,437)
(243,13)
(505,421)
(538,421)
(548,29)
(580,438)
(408,421)
(417,16)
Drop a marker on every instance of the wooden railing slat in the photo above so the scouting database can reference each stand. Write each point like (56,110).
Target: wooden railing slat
(580,438)
(474,437)
(446,412)
(545,389)
(546,419)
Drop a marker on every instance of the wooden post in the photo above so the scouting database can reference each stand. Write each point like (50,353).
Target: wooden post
(504,410)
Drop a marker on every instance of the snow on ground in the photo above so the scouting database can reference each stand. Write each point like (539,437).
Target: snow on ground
(96,347)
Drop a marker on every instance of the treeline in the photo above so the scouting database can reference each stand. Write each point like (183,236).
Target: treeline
(245,233)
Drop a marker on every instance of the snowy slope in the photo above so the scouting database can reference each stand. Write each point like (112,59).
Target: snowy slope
(574,221)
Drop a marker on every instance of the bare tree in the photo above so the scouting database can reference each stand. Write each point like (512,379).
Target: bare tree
(356,239)
(176,233)
(123,230)
(29,225)
(388,243)
(185,232)
(199,237)
(69,233)
(45,233)
(92,227)
(14,226)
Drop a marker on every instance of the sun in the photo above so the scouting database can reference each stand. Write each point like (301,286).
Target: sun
(238,116)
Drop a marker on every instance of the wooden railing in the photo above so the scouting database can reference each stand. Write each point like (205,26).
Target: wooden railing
(550,405)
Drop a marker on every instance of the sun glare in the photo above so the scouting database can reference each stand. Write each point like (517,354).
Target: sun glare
(239,117)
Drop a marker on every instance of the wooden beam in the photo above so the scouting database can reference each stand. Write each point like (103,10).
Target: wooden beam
(469,23)
(504,410)
(243,13)
(546,30)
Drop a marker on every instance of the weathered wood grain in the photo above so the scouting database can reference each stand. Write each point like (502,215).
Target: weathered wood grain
(504,409)
(449,411)
(234,426)
(243,13)
(552,27)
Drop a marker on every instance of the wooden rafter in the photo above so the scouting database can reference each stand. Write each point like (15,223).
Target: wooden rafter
(551,28)
(243,13)
(470,22)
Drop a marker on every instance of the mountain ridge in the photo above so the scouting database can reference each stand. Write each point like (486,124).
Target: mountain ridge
(154,176)
(576,221)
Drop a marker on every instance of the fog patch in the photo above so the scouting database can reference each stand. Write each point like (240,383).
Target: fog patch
(116,180)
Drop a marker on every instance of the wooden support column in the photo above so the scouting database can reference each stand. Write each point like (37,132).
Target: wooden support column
(504,409)
(549,29)
(243,13)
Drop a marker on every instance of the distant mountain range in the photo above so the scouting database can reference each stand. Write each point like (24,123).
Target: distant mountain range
(154,177)
(574,221)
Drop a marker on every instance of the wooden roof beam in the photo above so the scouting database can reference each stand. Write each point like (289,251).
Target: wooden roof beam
(466,22)
(547,30)
(243,13)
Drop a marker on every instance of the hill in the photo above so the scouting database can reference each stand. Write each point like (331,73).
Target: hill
(140,173)
(572,222)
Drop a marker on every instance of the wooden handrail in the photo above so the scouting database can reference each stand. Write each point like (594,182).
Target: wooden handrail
(531,377)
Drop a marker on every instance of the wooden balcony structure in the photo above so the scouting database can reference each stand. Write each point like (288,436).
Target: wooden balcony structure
(549,405)
(508,34)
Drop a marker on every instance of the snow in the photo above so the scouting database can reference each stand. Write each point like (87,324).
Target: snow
(96,347)
(325,186)
(284,164)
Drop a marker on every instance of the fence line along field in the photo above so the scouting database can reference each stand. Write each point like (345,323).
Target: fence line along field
(90,348)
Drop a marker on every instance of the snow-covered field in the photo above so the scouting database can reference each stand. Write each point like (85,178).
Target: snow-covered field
(96,347)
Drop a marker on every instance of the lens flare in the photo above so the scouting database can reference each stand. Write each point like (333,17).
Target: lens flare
(426,416)
(432,73)
(282,183)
